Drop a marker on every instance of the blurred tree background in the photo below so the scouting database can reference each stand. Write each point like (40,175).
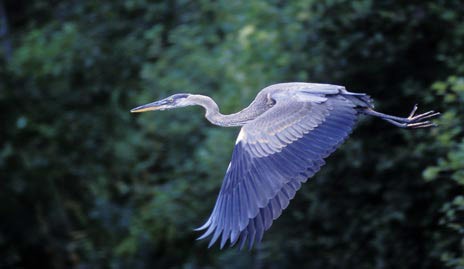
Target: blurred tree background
(86,184)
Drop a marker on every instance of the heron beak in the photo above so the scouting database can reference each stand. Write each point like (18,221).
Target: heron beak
(158,105)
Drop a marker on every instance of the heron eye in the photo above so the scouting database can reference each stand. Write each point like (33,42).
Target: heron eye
(171,100)
(271,102)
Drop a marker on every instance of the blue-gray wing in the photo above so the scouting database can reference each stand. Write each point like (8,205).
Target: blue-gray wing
(273,155)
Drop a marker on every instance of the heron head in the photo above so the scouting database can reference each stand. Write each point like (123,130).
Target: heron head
(173,101)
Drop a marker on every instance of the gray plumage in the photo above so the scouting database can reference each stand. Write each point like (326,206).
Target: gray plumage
(286,133)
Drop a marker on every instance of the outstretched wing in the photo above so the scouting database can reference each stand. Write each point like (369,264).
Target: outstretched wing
(273,155)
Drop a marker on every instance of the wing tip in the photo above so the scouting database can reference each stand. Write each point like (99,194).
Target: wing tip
(204,226)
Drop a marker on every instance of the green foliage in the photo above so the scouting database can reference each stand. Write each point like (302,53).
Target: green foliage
(451,166)
(87,184)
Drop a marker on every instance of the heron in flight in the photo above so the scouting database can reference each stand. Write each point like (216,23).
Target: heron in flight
(286,133)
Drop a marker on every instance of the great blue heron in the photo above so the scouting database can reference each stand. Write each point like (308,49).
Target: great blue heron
(286,133)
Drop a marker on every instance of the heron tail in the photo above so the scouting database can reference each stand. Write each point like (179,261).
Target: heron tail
(359,99)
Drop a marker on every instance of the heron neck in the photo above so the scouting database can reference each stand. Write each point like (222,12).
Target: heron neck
(215,117)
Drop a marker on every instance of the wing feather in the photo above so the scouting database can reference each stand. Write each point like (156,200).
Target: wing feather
(244,237)
(252,233)
(275,154)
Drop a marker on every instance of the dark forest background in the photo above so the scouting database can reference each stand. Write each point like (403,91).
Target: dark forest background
(86,184)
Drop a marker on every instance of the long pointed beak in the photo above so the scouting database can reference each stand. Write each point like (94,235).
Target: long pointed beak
(158,105)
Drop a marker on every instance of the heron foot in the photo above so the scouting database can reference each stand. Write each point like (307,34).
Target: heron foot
(415,121)
(415,118)
(421,124)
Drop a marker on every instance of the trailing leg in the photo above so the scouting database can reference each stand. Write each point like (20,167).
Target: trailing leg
(412,121)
